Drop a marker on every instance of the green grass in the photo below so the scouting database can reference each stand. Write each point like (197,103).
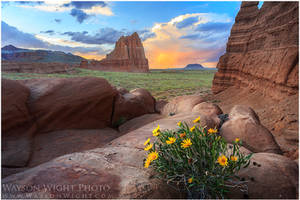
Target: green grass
(161,83)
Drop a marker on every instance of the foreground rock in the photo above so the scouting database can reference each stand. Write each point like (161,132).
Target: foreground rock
(262,50)
(58,104)
(47,118)
(133,104)
(181,104)
(118,169)
(244,124)
(17,124)
(51,145)
(138,122)
(269,176)
(128,56)
(207,108)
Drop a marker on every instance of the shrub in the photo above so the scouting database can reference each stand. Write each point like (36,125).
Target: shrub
(196,160)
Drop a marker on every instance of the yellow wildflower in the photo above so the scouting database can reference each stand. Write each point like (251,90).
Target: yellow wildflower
(210,131)
(222,160)
(147,163)
(233,158)
(179,123)
(197,120)
(192,129)
(237,140)
(152,156)
(147,141)
(147,148)
(182,135)
(190,180)
(156,131)
(186,143)
(171,140)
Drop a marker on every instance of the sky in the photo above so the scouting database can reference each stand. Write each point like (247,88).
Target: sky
(174,34)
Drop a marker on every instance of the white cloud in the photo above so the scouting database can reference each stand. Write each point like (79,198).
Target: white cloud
(63,42)
(58,6)
(99,10)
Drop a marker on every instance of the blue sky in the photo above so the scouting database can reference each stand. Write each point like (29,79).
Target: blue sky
(174,34)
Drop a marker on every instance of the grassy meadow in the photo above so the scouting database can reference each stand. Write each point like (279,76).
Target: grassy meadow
(163,84)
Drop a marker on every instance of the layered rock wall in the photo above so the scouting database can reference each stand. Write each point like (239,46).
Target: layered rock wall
(41,68)
(128,56)
(262,50)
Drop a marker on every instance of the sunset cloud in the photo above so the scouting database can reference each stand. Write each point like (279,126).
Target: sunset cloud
(189,38)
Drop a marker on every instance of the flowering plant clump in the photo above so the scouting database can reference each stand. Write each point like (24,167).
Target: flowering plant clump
(196,160)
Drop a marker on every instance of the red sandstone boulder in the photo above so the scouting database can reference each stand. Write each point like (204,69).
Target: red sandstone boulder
(14,109)
(242,111)
(122,90)
(269,176)
(17,124)
(243,150)
(68,141)
(207,108)
(138,122)
(243,124)
(130,105)
(84,103)
(160,104)
(181,104)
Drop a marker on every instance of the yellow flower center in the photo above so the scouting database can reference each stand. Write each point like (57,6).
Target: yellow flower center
(222,160)
(186,143)
(152,156)
(171,140)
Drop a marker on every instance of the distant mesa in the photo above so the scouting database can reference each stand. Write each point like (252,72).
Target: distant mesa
(127,56)
(19,60)
(194,67)
(11,48)
(15,54)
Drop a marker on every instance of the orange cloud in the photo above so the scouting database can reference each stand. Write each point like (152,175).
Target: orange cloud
(169,49)
(90,55)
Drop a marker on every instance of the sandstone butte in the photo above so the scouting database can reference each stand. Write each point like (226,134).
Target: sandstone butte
(128,56)
(262,50)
